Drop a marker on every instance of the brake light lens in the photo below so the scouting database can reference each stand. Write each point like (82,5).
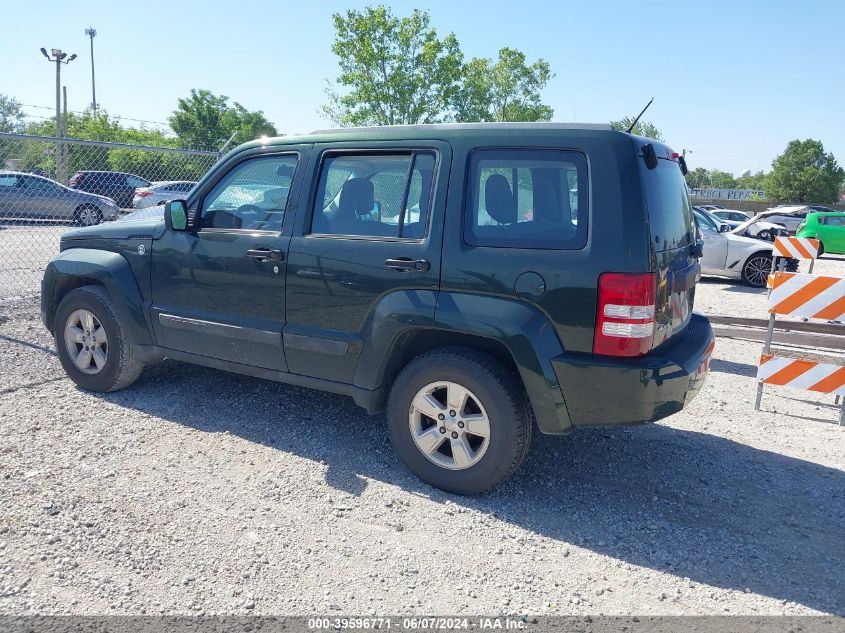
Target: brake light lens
(140,193)
(625,319)
(75,180)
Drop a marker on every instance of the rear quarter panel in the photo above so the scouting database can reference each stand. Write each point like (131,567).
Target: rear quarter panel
(617,236)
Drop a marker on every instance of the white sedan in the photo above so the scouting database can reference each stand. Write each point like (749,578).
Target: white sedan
(160,192)
(763,230)
(727,254)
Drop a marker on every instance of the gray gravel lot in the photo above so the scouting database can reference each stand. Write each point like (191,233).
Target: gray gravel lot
(198,491)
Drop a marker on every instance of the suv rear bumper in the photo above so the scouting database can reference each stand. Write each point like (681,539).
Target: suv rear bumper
(606,391)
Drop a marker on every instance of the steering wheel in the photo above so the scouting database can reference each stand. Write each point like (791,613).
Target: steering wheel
(249,208)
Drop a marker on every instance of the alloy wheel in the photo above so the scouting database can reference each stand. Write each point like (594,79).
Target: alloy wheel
(757,270)
(449,425)
(88,216)
(86,341)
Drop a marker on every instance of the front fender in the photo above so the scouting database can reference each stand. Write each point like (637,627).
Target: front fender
(529,337)
(76,267)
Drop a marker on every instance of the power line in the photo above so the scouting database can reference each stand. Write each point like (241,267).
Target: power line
(114,116)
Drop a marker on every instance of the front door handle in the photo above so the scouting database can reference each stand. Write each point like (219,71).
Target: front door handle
(266,254)
(407,264)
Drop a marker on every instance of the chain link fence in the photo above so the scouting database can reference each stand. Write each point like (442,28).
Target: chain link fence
(48,185)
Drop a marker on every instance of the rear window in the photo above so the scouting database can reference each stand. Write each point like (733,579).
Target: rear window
(667,200)
(527,198)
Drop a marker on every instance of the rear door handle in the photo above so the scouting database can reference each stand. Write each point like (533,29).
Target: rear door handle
(407,264)
(265,254)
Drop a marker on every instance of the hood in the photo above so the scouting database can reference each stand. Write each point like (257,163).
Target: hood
(121,230)
(757,242)
(156,211)
(768,213)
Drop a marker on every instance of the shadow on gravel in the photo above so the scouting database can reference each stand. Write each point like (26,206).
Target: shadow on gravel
(690,504)
(731,367)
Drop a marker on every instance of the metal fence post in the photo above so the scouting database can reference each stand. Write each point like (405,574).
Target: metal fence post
(767,345)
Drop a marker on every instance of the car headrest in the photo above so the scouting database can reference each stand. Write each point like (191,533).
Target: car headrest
(499,199)
(356,197)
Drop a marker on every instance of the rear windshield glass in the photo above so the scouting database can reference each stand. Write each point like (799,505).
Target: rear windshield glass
(667,199)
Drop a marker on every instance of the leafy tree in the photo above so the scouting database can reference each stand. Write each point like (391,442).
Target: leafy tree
(805,173)
(642,128)
(206,121)
(722,180)
(100,126)
(698,177)
(505,90)
(753,181)
(12,118)
(395,70)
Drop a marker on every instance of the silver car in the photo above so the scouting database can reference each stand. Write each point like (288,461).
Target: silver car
(27,196)
(160,192)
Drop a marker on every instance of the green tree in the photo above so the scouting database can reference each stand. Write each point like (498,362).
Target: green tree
(394,70)
(722,179)
(505,90)
(805,173)
(100,126)
(698,177)
(753,181)
(642,128)
(206,121)
(12,118)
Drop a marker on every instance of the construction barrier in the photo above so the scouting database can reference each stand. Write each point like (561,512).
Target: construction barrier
(797,247)
(811,297)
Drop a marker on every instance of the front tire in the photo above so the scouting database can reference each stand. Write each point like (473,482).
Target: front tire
(459,420)
(756,270)
(91,342)
(87,215)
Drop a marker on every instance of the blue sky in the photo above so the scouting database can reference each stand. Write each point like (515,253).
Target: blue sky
(733,81)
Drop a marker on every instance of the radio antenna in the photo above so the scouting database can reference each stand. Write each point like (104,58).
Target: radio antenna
(638,116)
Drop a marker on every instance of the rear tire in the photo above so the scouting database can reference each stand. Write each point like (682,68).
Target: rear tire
(494,405)
(91,343)
(756,270)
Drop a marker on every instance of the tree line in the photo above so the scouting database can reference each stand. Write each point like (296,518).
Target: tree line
(803,173)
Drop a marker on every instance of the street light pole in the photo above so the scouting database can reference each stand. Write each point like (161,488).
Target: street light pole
(56,55)
(91,32)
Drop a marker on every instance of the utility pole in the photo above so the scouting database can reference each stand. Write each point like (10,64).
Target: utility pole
(92,32)
(65,151)
(60,58)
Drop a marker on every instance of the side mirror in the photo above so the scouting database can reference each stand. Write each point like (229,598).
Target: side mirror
(724,228)
(697,250)
(176,215)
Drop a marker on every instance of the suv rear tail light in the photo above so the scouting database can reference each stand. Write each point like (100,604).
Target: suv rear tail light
(143,194)
(75,180)
(625,320)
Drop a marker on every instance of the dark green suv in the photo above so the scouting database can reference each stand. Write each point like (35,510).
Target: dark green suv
(463,278)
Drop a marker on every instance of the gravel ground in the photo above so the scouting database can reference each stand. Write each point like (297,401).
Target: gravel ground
(197,491)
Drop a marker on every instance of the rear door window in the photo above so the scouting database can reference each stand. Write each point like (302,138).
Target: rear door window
(527,198)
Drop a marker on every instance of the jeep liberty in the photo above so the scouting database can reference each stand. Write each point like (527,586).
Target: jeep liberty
(465,279)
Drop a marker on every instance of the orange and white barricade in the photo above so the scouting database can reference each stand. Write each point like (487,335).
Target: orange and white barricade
(811,297)
(794,248)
